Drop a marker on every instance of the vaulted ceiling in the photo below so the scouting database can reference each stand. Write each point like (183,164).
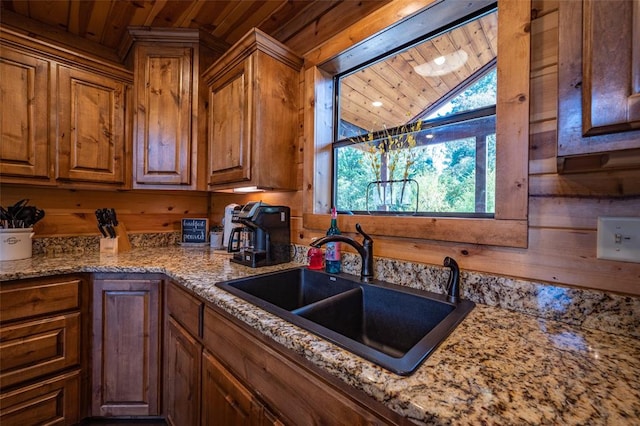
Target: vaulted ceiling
(302,25)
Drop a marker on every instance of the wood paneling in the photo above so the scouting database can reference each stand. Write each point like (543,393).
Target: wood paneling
(72,212)
(291,199)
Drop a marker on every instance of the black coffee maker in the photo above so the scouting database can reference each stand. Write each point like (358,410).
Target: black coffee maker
(264,238)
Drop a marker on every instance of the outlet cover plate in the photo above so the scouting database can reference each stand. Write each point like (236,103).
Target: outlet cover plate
(619,238)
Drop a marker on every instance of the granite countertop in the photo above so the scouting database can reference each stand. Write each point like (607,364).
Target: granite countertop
(497,367)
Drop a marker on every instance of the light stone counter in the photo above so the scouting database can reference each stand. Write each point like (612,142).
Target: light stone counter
(498,367)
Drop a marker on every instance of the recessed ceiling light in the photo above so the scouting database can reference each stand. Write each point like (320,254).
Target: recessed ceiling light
(443,64)
(376,103)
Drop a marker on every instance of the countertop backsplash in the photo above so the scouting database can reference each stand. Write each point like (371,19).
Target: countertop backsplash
(91,244)
(591,309)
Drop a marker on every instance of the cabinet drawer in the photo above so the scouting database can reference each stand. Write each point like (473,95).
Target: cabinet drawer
(186,309)
(55,401)
(39,297)
(35,348)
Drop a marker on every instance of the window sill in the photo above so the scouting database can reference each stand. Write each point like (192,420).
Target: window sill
(495,232)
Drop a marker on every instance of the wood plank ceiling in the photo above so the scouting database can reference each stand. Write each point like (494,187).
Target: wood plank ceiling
(300,24)
(406,85)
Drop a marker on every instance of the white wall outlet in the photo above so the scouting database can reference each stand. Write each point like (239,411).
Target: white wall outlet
(619,238)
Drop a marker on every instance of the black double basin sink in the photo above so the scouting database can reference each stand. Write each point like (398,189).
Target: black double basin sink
(393,326)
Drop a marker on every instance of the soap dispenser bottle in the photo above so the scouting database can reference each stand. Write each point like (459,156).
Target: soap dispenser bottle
(332,257)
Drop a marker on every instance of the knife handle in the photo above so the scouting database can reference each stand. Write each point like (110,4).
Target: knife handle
(101,223)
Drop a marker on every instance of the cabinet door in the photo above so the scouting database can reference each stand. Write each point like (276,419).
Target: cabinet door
(91,135)
(225,401)
(24,116)
(230,100)
(126,344)
(163,134)
(598,77)
(181,376)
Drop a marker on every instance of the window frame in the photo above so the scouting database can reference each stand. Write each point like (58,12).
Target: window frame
(391,26)
(480,187)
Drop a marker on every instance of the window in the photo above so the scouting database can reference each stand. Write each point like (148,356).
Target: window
(415,131)
(503,217)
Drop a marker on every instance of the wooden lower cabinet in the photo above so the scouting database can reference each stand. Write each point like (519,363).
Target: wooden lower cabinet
(52,401)
(295,391)
(246,379)
(216,370)
(197,388)
(183,356)
(126,347)
(226,401)
(40,356)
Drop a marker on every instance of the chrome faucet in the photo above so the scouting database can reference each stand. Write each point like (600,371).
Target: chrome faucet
(453,286)
(365,250)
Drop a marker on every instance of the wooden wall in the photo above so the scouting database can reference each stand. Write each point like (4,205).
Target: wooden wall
(72,212)
(563,209)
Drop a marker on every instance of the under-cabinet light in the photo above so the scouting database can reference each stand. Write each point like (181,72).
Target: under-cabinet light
(248,189)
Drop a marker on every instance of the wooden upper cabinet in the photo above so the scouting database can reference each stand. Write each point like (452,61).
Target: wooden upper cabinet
(230,148)
(24,89)
(253,115)
(63,115)
(599,84)
(91,127)
(169,137)
(164,90)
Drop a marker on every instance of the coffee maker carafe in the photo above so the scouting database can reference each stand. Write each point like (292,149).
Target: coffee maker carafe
(264,237)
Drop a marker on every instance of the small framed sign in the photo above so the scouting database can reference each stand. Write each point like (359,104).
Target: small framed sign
(195,230)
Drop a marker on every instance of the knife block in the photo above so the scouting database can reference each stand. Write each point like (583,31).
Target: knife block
(119,244)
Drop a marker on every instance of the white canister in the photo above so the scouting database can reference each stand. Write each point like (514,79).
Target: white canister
(15,243)
(215,240)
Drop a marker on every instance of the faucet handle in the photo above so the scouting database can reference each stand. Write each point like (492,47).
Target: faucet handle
(366,236)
